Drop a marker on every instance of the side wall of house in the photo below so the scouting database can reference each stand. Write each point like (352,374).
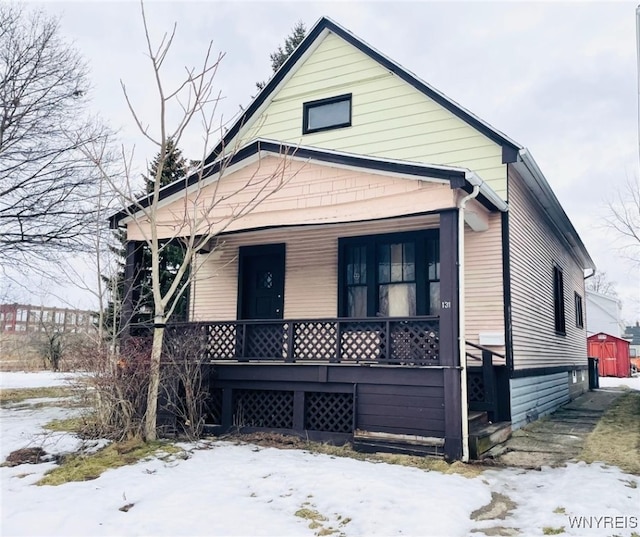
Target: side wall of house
(484,296)
(535,396)
(535,250)
(390,118)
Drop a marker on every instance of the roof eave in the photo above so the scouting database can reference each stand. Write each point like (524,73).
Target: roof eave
(455,176)
(537,182)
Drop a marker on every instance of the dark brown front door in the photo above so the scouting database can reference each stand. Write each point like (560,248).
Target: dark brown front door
(262,282)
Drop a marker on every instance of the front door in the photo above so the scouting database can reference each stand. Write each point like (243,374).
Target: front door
(262,282)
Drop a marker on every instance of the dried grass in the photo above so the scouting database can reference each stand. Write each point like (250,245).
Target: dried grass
(85,467)
(616,438)
(427,463)
(18,395)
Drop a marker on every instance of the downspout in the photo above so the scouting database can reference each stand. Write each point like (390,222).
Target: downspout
(461,323)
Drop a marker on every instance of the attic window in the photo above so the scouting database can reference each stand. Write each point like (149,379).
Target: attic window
(325,114)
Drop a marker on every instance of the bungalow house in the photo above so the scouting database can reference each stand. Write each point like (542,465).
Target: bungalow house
(412,269)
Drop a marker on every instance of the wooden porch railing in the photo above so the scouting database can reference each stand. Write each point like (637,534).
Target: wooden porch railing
(481,381)
(400,341)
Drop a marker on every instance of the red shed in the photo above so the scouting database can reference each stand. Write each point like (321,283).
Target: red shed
(612,353)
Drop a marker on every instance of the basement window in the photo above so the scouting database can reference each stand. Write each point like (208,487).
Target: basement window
(558,300)
(325,114)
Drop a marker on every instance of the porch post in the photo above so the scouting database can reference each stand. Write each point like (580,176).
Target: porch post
(449,334)
(131,291)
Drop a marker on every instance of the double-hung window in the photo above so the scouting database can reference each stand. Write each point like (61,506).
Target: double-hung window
(356,281)
(397,279)
(558,300)
(577,299)
(390,275)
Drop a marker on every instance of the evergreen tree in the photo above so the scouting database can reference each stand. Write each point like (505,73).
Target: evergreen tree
(175,168)
(278,57)
(115,284)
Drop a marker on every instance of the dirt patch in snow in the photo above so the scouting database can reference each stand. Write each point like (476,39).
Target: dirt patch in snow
(499,507)
(32,455)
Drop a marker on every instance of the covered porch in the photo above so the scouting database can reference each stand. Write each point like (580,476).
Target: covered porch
(335,309)
(380,384)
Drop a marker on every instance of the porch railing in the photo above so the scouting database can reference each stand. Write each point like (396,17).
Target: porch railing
(401,341)
(481,380)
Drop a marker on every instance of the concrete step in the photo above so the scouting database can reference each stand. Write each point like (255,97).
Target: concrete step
(483,437)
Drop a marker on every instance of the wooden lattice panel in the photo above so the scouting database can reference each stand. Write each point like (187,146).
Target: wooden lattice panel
(214,407)
(271,409)
(315,340)
(475,387)
(414,344)
(265,341)
(364,341)
(331,412)
(222,341)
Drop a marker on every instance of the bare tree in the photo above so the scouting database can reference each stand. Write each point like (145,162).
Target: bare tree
(623,217)
(47,186)
(600,283)
(204,212)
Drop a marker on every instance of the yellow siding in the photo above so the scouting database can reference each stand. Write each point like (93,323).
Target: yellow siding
(390,118)
(311,278)
(483,282)
(310,194)
(534,250)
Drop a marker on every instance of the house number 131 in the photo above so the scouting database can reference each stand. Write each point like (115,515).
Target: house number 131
(445,304)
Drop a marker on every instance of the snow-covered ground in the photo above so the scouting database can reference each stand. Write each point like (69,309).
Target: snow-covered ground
(227,489)
(39,379)
(614,382)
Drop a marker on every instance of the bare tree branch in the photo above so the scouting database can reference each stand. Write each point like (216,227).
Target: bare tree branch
(48,189)
(206,208)
(623,218)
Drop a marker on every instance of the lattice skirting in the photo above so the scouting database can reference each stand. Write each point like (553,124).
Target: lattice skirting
(275,409)
(214,407)
(269,409)
(331,412)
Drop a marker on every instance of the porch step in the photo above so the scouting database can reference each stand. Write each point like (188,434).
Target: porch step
(484,436)
(477,417)
(404,444)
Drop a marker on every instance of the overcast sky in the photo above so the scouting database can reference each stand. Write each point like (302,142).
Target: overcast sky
(559,78)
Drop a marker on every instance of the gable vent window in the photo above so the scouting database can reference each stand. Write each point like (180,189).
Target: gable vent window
(325,114)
